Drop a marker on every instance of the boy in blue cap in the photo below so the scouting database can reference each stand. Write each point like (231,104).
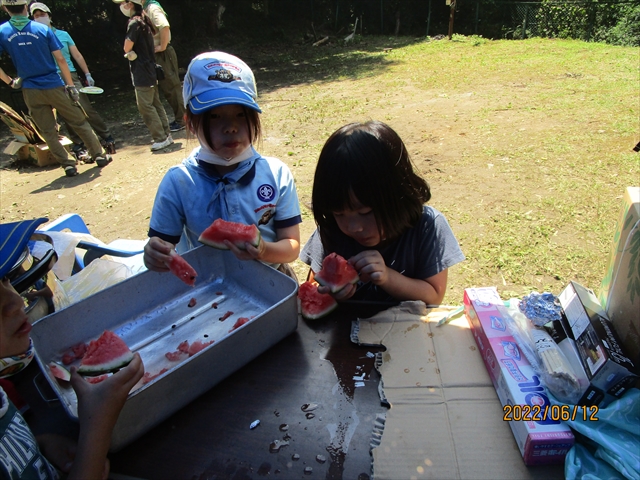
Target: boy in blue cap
(225,177)
(98,405)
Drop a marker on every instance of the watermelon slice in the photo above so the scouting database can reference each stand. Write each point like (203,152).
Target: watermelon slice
(106,354)
(237,233)
(181,269)
(336,273)
(314,305)
(59,371)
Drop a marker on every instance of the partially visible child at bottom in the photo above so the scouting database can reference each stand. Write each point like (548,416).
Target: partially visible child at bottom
(225,177)
(98,405)
(368,204)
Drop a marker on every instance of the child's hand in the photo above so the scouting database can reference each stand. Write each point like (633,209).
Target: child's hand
(59,450)
(156,254)
(102,402)
(371,267)
(341,295)
(250,252)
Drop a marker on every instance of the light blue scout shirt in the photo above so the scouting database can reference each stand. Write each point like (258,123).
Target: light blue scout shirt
(66,41)
(260,191)
(30,50)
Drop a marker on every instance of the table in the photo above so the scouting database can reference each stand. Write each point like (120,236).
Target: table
(314,421)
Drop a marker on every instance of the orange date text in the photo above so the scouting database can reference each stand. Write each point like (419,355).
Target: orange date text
(537,413)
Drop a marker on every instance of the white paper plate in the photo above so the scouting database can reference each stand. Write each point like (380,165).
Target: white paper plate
(91,90)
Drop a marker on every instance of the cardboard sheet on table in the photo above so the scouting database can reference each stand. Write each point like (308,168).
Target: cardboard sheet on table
(445,419)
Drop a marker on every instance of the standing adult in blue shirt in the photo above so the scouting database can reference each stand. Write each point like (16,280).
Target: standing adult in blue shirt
(42,14)
(35,51)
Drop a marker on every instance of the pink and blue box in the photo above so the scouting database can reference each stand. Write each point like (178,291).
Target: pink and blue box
(545,441)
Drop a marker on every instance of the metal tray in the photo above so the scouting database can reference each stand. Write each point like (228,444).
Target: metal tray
(150,312)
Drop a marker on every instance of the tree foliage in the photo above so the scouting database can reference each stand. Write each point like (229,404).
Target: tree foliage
(98,26)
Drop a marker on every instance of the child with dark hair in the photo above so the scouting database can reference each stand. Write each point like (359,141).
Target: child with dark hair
(368,204)
(225,177)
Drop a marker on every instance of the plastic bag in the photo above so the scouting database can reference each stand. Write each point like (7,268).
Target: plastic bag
(544,355)
(98,275)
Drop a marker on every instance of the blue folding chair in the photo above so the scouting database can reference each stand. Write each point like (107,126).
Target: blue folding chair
(118,248)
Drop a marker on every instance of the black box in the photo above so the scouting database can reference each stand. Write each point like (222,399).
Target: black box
(596,347)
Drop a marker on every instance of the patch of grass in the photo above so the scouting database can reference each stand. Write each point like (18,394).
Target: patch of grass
(529,143)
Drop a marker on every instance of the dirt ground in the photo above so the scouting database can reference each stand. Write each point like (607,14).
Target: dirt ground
(444,131)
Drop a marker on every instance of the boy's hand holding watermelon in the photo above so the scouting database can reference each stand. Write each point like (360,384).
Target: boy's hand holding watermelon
(160,256)
(98,408)
(157,254)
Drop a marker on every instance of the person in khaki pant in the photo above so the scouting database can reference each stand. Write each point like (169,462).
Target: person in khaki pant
(35,51)
(41,13)
(171,86)
(138,48)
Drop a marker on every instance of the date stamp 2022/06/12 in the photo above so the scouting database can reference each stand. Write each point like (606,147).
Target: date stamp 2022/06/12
(555,413)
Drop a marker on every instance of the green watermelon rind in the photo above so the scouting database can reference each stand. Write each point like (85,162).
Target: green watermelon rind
(314,316)
(113,366)
(63,371)
(255,240)
(335,287)
(89,368)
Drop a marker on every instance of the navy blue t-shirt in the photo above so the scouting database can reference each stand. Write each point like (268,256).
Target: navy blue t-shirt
(421,252)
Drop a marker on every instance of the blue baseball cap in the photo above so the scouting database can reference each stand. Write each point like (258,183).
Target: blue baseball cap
(215,79)
(13,240)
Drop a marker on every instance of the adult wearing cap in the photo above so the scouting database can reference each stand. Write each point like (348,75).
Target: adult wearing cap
(42,88)
(170,85)
(98,405)
(225,177)
(42,14)
(138,48)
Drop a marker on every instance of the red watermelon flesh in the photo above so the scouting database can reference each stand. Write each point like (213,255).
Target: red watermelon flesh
(241,321)
(106,354)
(59,371)
(336,273)
(181,269)
(314,305)
(197,346)
(99,379)
(237,233)
(148,376)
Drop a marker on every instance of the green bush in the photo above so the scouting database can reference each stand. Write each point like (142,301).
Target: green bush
(609,22)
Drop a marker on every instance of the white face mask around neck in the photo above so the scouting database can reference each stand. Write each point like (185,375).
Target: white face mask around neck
(209,156)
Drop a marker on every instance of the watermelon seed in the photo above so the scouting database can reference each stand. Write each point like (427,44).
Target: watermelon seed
(309,416)
(284,427)
(173,326)
(309,407)
(206,335)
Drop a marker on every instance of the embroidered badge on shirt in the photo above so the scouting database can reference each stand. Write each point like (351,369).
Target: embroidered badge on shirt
(266,193)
